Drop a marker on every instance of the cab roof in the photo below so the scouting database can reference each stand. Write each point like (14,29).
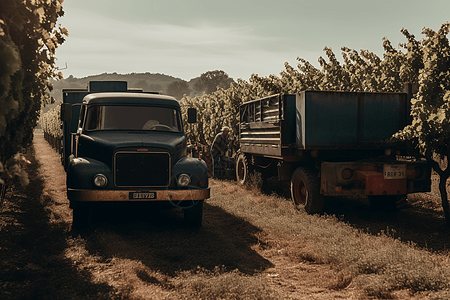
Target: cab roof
(116,98)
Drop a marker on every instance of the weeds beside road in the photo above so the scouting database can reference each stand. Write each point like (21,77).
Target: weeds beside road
(252,246)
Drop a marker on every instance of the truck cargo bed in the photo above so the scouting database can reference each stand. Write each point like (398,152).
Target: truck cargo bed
(283,125)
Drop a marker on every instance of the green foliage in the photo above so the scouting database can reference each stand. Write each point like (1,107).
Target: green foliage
(9,64)
(28,41)
(430,130)
(15,169)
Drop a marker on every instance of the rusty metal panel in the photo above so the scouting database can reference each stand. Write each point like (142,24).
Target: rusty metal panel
(375,184)
(362,178)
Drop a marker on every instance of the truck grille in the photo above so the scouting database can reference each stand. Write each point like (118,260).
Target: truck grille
(134,169)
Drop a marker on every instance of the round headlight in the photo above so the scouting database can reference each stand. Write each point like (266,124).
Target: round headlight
(100,180)
(184,180)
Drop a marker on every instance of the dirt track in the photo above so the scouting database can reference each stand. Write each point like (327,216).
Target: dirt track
(41,258)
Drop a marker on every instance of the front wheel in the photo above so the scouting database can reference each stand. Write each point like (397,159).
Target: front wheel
(305,190)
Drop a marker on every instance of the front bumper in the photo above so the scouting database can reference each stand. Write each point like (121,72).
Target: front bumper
(123,195)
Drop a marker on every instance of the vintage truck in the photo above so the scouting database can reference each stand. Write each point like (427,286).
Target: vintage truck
(121,145)
(331,144)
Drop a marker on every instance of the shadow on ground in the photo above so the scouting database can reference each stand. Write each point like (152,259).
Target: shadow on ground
(159,239)
(32,261)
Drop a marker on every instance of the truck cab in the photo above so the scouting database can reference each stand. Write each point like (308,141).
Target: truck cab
(128,146)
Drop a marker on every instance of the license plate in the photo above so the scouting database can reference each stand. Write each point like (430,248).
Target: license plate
(142,195)
(394,171)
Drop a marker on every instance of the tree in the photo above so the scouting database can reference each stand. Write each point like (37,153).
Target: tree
(211,80)
(29,36)
(178,89)
(429,132)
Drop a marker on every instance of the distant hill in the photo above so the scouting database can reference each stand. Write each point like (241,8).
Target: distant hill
(146,81)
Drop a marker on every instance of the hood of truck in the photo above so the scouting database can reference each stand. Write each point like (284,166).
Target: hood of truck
(102,145)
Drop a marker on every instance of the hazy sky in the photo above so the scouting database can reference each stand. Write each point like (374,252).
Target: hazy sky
(185,38)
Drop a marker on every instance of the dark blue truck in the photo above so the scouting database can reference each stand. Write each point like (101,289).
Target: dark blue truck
(123,145)
(331,144)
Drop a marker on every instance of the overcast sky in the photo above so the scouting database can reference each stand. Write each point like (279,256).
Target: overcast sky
(185,38)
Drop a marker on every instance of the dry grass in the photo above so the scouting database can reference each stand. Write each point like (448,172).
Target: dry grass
(221,284)
(379,265)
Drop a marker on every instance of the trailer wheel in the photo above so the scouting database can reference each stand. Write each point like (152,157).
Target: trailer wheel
(242,169)
(305,190)
(193,216)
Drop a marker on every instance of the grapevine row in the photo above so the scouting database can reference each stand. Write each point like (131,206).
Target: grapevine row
(29,36)
(51,126)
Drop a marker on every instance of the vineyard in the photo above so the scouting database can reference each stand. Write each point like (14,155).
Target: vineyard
(29,37)
(51,126)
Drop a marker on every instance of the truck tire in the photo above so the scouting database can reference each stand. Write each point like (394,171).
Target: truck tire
(242,169)
(193,216)
(81,216)
(305,190)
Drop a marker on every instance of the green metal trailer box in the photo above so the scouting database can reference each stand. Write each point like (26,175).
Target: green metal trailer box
(346,119)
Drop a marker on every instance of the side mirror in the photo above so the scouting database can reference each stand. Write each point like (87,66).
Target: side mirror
(192,115)
(66,112)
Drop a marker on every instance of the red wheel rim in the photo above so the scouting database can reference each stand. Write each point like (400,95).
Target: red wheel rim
(300,192)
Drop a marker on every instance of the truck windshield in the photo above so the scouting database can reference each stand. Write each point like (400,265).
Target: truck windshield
(114,117)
